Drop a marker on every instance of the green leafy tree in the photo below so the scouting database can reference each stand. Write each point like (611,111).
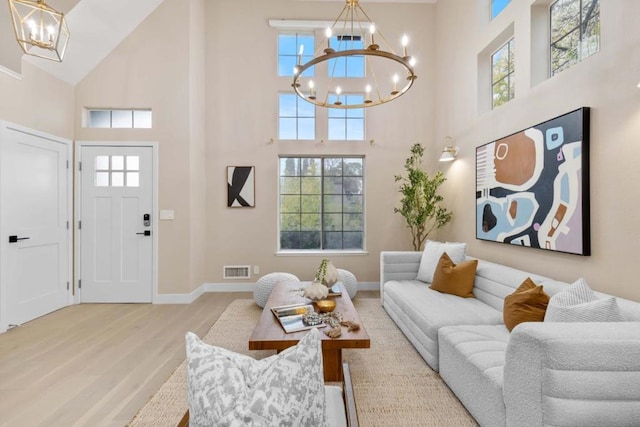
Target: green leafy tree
(421,204)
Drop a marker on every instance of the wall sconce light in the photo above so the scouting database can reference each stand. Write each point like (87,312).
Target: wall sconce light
(450,152)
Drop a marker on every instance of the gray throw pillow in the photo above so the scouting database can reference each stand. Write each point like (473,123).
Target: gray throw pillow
(231,389)
(578,303)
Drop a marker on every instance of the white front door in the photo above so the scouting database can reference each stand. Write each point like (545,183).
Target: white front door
(116,224)
(34,201)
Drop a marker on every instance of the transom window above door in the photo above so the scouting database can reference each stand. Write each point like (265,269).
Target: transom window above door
(117,171)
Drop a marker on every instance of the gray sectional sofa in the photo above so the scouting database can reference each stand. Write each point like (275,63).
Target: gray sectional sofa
(540,374)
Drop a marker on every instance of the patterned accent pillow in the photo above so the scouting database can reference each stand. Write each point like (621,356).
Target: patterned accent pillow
(432,253)
(578,303)
(231,389)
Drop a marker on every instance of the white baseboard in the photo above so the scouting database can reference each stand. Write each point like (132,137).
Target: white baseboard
(230,287)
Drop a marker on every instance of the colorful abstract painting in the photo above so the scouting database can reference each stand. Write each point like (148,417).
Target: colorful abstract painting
(532,187)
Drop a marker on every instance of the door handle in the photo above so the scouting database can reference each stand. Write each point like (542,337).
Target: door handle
(144,233)
(14,239)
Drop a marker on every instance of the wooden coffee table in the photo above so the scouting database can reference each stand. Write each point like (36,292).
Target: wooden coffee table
(269,335)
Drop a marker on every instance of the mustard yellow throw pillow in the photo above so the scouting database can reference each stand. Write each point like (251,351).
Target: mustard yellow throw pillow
(527,304)
(455,279)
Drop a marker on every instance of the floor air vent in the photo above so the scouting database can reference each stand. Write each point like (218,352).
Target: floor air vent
(236,271)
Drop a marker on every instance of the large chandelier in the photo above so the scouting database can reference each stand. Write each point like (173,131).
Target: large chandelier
(40,30)
(388,75)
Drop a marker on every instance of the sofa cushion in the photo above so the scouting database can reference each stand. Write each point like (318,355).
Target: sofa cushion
(578,303)
(432,253)
(455,279)
(527,304)
(472,361)
(420,311)
(227,388)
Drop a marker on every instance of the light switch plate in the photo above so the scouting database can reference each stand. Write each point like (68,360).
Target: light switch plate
(166,214)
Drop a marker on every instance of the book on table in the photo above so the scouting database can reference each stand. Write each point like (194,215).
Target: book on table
(291,317)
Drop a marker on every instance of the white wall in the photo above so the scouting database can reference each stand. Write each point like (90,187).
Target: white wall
(606,82)
(242,86)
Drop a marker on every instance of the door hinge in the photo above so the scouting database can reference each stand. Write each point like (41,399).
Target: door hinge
(79,283)
(67,164)
(67,285)
(80,225)
(67,225)
(80,166)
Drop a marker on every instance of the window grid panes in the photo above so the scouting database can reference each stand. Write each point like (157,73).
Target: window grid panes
(321,203)
(575,32)
(117,171)
(498,6)
(123,119)
(346,124)
(351,67)
(296,118)
(502,74)
(289,45)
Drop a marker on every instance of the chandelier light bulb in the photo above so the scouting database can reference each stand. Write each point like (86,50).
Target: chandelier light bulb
(395,84)
(367,99)
(300,54)
(372,31)
(312,92)
(405,42)
(328,34)
(338,92)
(412,61)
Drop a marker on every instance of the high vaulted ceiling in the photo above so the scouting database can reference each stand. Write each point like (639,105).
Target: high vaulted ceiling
(97,27)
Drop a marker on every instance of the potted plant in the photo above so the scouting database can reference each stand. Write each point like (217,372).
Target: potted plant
(421,204)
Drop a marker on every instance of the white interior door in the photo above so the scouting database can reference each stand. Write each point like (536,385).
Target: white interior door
(34,205)
(116,228)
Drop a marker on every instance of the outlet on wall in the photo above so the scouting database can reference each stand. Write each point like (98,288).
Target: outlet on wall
(256,269)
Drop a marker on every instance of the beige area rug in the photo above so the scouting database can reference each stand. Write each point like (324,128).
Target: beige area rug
(393,385)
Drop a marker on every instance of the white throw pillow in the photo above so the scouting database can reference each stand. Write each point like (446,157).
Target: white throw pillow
(231,389)
(578,303)
(432,253)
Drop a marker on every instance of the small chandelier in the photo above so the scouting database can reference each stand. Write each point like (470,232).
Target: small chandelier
(40,30)
(353,26)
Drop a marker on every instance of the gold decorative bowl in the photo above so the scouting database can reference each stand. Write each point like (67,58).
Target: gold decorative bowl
(326,305)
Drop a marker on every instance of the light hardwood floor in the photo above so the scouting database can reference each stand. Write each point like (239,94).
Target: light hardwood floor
(97,364)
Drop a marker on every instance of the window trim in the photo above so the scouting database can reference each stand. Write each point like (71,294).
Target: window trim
(325,252)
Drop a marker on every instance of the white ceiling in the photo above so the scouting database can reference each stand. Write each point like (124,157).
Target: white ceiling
(97,27)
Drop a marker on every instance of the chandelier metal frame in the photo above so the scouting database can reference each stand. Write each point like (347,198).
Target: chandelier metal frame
(353,17)
(39,29)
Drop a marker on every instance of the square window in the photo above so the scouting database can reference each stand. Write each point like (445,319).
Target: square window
(296,118)
(117,179)
(133,163)
(142,119)
(289,46)
(102,179)
(117,163)
(102,163)
(99,119)
(122,119)
(328,213)
(133,179)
